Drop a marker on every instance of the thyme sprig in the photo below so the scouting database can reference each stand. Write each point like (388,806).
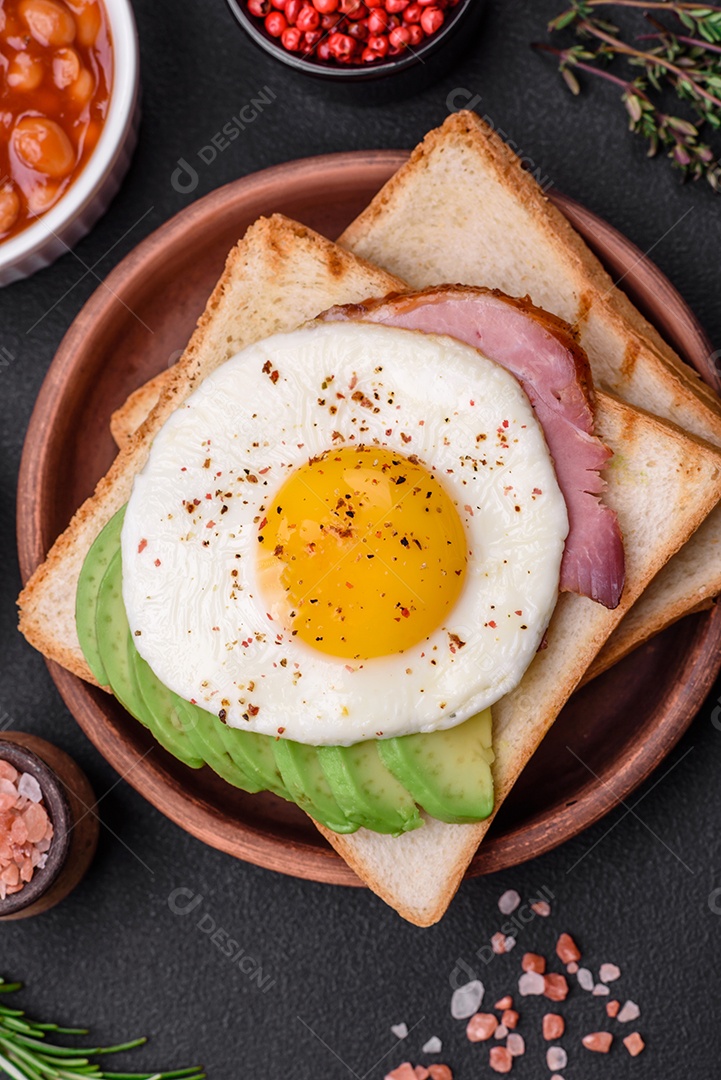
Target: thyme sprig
(686,65)
(26,1055)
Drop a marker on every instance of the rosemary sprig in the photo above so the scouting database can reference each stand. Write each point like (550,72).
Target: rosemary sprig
(26,1055)
(688,65)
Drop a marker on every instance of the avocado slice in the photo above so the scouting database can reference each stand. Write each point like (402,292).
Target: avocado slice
(205,731)
(448,772)
(114,640)
(161,715)
(305,781)
(105,545)
(366,790)
(254,754)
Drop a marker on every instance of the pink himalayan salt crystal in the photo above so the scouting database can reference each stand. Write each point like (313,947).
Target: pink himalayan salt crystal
(421,1072)
(572,968)
(504,1003)
(36,821)
(403,1072)
(531,983)
(542,908)
(598,1041)
(567,949)
(516,1044)
(609,973)
(500,1059)
(556,1058)
(500,1032)
(630,1011)
(481,1027)
(29,788)
(8,771)
(508,902)
(498,943)
(634,1044)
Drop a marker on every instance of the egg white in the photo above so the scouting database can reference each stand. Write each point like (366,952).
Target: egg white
(189,578)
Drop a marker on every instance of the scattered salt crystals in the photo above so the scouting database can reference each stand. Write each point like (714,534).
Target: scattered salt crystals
(630,1011)
(29,788)
(508,902)
(556,1058)
(500,1059)
(504,1003)
(540,907)
(609,973)
(498,943)
(509,943)
(634,1044)
(399,1030)
(600,990)
(422,1073)
(510,1018)
(612,1008)
(572,968)
(567,950)
(481,1027)
(500,1032)
(516,1044)
(598,1041)
(531,983)
(433,1046)
(585,979)
(466,1000)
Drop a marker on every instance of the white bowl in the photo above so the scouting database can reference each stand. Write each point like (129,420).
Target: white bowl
(89,196)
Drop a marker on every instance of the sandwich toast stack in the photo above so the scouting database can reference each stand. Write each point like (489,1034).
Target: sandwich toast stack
(461,210)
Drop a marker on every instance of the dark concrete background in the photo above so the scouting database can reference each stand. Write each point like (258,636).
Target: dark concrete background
(638,888)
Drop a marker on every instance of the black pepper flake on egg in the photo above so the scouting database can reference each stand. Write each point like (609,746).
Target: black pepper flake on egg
(222,715)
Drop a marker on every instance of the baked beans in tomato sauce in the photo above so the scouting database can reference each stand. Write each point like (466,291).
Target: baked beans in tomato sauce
(56,69)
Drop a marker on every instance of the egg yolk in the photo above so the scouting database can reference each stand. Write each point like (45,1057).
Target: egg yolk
(362,553)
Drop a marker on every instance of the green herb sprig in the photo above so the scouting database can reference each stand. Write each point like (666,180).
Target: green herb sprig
(671,62)
(26,1055)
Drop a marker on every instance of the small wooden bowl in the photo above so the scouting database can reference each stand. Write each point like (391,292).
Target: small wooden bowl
(69,801)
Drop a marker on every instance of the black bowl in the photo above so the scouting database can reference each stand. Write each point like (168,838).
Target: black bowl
(399,75)
(58,810)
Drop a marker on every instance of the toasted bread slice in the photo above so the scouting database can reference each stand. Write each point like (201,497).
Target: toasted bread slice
(126,420)
(662,483)
(687,576)
(279,275)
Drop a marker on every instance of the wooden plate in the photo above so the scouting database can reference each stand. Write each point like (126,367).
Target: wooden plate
(621,725)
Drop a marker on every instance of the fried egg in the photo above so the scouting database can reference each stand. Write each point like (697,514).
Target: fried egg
(346,532)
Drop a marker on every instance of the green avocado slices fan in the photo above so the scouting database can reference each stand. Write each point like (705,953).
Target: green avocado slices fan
(381,785)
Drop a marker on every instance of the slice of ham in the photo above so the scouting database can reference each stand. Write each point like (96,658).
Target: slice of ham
(541,351)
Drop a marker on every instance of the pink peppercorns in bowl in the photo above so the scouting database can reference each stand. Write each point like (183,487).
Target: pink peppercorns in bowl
(352,40)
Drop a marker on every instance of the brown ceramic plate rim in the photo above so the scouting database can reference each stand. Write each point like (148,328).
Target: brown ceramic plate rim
(544,830)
